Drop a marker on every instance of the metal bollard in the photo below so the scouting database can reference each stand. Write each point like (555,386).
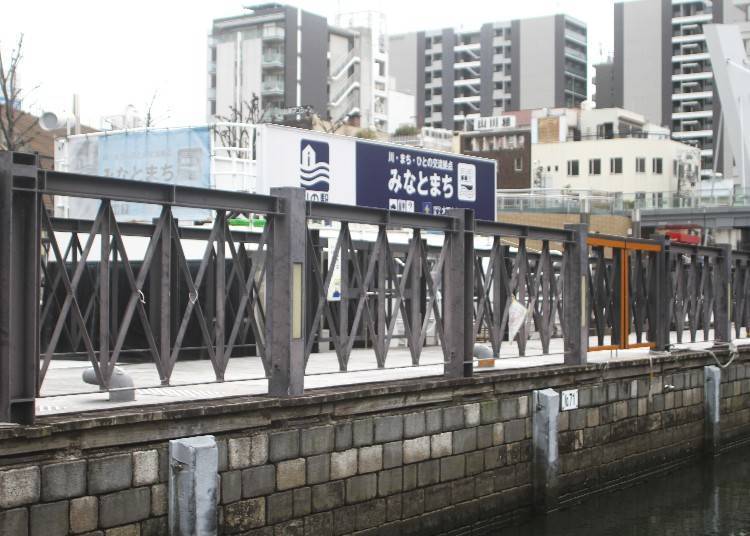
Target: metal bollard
(193,486)
(712,403)
(545,462)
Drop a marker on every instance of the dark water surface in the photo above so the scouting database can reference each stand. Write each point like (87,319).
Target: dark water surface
(703,499)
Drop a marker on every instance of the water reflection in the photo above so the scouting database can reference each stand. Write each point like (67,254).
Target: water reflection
(711,498)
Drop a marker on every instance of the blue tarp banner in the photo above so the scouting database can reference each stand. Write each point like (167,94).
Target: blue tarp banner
(179,156)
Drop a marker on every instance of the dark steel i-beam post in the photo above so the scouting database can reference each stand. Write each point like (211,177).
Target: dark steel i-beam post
(658,332)
(458,293)
(723,291)
(20,223)
(575,296)
(285,295)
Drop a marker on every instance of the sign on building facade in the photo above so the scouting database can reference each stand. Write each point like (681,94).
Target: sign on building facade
(495,122)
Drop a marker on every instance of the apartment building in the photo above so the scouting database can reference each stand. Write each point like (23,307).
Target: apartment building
(277,52)
(458,75)
(663,71)
(291,58)
(612,150)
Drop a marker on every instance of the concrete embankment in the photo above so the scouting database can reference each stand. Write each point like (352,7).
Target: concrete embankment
(426,456)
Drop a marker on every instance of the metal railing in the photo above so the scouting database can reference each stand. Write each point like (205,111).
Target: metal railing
(571,201)
(104,291)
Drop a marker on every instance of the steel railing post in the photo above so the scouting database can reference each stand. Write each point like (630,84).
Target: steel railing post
(458,295)
(575,295)
(659,296)
(20,222)
(285,294)
(722,293)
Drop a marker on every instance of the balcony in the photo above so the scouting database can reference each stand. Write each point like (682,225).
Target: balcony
(467,65)
(688,38)
(467,82)
(467,99)
(692,77)
(467,47)
(690,58)
(692,134)
(273,33)
(575,36)
(699,18)
(700,114)
(273,61)
(272,87)
(575,54)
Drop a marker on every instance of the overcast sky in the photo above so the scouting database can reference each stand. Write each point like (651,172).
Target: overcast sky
(118,53)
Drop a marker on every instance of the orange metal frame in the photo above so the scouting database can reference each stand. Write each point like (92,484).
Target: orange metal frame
(625,246)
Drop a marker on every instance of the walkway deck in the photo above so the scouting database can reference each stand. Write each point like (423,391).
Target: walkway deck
(65,392)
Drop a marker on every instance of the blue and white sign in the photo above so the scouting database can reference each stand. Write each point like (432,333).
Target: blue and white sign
(414,180)
(175,156)
(314,168)
(346,170)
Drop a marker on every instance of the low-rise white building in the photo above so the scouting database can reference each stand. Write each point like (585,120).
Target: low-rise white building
(610,150)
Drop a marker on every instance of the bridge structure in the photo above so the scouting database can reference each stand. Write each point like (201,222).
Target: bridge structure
(416,435)
(721,217)
(104,291)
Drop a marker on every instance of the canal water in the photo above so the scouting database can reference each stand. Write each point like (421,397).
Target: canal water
(708,498)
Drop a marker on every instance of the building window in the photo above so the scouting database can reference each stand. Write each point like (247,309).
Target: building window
(518,164)
(595,166)
(615,166)
(213,107)
(657,166)
(675,167)
(640,165)
(572,168)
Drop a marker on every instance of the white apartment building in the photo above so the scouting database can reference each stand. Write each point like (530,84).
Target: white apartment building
(610,150)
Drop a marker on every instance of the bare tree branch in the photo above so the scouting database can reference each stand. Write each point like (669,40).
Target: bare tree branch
(234,136)
(13,136)
(151,119)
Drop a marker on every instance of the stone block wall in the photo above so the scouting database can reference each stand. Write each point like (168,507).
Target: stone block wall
(118,495)
(429,457)
(734,403)
(418,470)
(627,427)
